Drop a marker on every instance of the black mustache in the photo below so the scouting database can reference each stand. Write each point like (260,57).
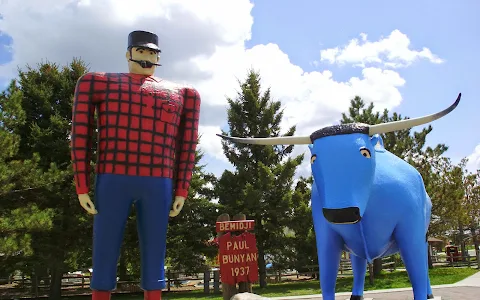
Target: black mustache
(145,63)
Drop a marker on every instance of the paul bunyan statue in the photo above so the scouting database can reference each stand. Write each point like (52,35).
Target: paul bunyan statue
(147,137)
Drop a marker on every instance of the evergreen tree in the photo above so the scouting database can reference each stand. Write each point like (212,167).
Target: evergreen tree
(403,143)
(301,224)
(36,112)
(189,233)
(261,185)
(18,179)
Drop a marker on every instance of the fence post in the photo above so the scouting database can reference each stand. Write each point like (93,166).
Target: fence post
(35,277)
(216,281)
(370,273)
(478,260)
(477,251)
(206,281)
(169,278)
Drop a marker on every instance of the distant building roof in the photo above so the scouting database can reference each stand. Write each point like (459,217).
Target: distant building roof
(434,240)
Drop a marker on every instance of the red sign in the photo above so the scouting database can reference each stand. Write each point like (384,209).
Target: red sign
(238,258)
(252,264)
(235,226)
(225,264)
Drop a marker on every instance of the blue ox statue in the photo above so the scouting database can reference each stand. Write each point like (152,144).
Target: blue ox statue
(365,200)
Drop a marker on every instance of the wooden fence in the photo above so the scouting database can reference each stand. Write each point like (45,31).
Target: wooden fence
(209,281)
(77,284)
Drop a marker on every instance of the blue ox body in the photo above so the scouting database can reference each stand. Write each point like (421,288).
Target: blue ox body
(365,200)
(371,203)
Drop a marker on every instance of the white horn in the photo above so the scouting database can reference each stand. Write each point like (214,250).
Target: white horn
(283,140)
(409,123)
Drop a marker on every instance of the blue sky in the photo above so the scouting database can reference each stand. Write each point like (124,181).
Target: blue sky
(302,28)
(450,29)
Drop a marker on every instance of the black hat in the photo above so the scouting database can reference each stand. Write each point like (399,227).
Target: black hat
(143,39)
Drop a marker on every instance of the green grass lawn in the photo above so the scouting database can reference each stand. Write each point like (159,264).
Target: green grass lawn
(396,279)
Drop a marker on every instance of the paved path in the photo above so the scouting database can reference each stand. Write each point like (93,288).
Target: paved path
(445,293)
(466,289)
(473,280)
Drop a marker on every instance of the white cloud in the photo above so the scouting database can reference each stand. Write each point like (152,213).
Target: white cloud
(393,51)
(203,45)
(210,143)
(474,160)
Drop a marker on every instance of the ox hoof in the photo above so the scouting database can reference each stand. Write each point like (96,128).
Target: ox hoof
(356,297)
(430,296)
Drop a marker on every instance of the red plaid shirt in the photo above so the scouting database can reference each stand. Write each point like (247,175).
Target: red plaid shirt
(146,127)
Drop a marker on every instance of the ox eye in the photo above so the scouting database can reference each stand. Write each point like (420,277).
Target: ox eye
(313,158)
(365,152)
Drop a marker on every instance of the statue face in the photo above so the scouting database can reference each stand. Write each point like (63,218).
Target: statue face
(141,54)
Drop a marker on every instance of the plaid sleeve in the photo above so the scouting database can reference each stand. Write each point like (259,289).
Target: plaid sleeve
(82,131)
(188,142)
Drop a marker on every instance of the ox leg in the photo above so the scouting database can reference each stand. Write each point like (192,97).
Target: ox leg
(329,248)
(359,267)
(410,239)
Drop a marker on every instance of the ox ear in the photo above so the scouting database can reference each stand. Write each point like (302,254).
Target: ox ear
(377,142)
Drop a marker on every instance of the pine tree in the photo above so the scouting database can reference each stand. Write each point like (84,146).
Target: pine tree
(17,179)
(189,233)
(36,114)
(301,224)
(261,185)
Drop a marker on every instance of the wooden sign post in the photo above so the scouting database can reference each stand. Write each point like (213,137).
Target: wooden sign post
(237,254)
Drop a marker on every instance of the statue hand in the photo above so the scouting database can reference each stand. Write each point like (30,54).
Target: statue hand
(177,206)
(87,204)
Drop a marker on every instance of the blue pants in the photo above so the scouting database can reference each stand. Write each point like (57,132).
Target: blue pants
(114,197)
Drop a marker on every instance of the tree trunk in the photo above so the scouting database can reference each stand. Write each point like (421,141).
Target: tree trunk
(262,269)
(34,280)
(56,282)
(47,277)
(122,266)
(377,267)
(462,240)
